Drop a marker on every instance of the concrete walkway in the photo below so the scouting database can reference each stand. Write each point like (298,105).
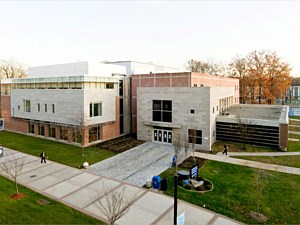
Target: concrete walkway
(78,188)
(138,164)
(266,166)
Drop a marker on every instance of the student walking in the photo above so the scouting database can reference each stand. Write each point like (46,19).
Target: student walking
(225,150)
(43,157)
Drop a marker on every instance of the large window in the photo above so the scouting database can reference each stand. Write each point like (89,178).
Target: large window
(94,133)
(162,111)
(31,127)
(26,105)
(195,136)
(41,129)
(52,131)
(95,109)
(64,133)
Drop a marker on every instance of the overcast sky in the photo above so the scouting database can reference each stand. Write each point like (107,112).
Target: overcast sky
(164,32)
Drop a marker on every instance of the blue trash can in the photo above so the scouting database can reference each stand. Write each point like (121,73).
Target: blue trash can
(156,182)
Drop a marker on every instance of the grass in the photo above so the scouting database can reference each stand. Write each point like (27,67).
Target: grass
(218,146)
(235,196)
(59,152)
(291,160)
(28,211)
(296,129)
(296,136)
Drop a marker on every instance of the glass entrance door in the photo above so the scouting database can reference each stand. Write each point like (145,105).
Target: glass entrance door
(161,135)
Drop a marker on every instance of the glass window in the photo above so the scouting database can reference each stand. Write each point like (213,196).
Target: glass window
(195,136)
(41,130)
(53,108)
(45,107)
(162,111)
(94,133)
(26,105)
(109,85)
(95,109)
(39,107)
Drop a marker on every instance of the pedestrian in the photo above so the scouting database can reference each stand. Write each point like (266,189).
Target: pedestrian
(225,150)
(174,161)
(43,157)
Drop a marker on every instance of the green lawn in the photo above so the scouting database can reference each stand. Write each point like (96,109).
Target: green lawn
(291,160)
(296,136)
(28,211)
(294,146)
(234,196)
(236,147)
(63,153)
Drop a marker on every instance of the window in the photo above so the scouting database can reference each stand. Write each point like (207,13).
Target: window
(109,85)
(64,133)
(26,105)
(195,136)
(53,108)
(192,111)
(162,111)
(94,133)
(31,128)
(46,108)
(39,107)
(95,109)
(213,109)
(52,131)
(195,85)
(41,130)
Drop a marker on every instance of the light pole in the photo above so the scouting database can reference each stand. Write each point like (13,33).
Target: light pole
(175,197)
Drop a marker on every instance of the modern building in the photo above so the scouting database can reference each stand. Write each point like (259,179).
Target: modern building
(76,103)
(168,105)
(86,103)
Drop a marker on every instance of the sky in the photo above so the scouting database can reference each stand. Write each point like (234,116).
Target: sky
(163,32)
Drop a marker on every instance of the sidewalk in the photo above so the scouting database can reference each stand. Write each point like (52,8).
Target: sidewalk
(227,159)
(76,188)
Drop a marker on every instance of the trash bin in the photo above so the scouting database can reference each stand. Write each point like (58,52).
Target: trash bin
(163,184)
(156,182)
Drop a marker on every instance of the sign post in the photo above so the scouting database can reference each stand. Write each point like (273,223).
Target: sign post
(1,152)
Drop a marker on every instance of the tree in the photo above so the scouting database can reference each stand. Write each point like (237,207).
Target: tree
(12,69)
(244,130)
(259,184)
(13,166)
(114,204)
(238,69)
(177,143)
(210,67)
(263,76)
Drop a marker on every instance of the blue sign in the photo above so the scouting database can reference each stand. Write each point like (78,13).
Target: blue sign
(194,171)
(181,219)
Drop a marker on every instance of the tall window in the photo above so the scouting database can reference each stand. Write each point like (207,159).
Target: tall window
(39,107)
(95,109)
(41,130)
(195,136)
(52,131)
(162,111)
(31,127)
(46,108)
(94,133)
(64,133)
(26,105)
(53,108)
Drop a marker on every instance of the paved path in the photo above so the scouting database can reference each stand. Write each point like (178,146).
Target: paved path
(78,188)
(265,166)
(138,164)
(259,153)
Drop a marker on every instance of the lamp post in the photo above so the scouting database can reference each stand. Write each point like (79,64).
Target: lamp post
(175,197)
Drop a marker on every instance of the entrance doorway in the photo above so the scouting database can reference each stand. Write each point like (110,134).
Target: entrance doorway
(162,135)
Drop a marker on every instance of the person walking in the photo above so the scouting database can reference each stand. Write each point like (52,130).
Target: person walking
(225,150)
(43,157)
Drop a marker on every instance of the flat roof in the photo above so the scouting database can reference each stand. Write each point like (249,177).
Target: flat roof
(260,114)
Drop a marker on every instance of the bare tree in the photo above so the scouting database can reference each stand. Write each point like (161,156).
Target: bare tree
(177,143)
(244,130)
(114,204)
(78,131)
(12,69)
(12,167)
(259,183)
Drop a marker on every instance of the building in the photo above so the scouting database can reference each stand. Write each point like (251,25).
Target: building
(86,103)
(184,104)
(75,103)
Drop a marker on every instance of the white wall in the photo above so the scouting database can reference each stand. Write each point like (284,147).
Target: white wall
(71,105)
(76,69)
